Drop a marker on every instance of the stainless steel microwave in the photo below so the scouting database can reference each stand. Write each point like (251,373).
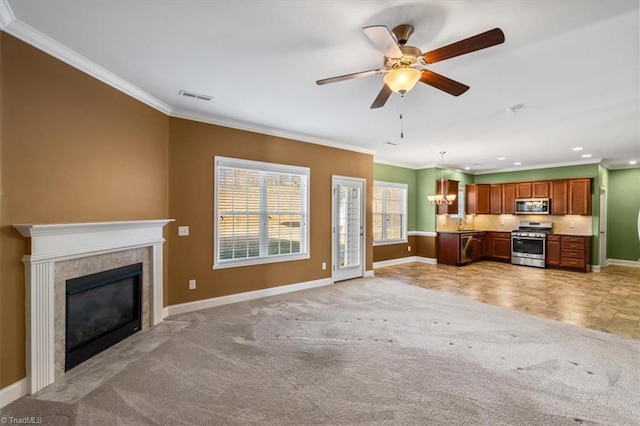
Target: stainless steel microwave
(533,206)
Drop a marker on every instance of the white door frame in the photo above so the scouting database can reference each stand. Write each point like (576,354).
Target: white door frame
(603,227)
(334,224)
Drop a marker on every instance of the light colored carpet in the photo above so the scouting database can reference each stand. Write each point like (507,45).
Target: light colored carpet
(368,351)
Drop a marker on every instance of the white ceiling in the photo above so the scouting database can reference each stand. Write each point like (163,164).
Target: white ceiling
(573,64)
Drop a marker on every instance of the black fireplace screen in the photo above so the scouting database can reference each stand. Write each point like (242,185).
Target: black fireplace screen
(102,309)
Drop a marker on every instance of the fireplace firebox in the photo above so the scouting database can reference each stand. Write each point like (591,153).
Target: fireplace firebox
(101,310)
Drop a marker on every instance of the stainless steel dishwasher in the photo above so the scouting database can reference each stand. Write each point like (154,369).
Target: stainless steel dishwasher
(466,249)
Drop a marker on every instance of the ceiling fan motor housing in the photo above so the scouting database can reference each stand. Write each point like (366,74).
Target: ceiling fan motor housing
(409,58)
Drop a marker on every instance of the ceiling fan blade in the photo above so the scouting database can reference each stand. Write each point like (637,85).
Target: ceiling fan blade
(468,45)
(382,97)
(443,83)
(382,38)
(348,77)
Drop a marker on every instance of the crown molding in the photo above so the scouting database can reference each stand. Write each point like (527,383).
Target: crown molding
(6,14)
(537,166)
(257,128)
(395,164)
(59,51)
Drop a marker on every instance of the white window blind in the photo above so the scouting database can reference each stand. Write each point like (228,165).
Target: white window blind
(389,212)
(261,212)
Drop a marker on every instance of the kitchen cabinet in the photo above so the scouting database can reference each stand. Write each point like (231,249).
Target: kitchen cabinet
(572,196)
(580,197)
(477,246)
(448,187)
(478,198)
(524,190)
(448,248)
(569,251)
(498,246)
(459,248)
(575,252)
(553,250)
(559,197)
(496,199)
(508,198)
(540,189)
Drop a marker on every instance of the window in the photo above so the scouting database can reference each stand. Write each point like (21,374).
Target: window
(261,212)
(389,212)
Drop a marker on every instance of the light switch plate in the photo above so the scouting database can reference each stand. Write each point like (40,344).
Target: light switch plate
(192,284)
(183,231)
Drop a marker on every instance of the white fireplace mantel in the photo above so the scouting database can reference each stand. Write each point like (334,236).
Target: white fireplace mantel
(51,243)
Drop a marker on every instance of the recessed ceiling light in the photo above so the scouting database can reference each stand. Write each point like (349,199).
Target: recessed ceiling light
(586,155)
(469,168)
(577,148)
(502,158)
(517,163)
(632,162)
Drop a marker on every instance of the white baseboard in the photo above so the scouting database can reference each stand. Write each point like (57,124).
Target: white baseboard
(368,274)
(243,297)
(12,392)
(622,262)
(165,312)
(595,268)
(402,260)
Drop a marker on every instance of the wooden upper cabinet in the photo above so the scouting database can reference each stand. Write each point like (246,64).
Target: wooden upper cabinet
(580,197)
(496,199)
(524,190)
(478,196)
(484,197)
(540,189)
(450,188)
(509,198)
(559,197)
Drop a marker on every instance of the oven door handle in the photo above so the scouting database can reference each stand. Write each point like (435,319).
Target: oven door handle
(528,238)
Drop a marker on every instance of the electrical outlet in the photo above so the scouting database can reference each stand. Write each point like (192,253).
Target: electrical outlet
(192,284)
(408,248)
(324,266)
(183,231)
(572,225)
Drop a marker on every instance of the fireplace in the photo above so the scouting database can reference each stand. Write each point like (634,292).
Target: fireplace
(65,251)
(101,310)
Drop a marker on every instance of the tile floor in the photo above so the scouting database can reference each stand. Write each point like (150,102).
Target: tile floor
(608,300)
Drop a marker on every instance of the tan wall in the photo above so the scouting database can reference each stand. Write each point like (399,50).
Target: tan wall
(395,251)
(426,247)
(192,150)
(73,150)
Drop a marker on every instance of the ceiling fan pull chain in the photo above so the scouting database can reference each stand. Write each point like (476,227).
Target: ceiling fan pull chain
(401,118)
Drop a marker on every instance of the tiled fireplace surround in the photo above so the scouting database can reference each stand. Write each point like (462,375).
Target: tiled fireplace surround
(63,251)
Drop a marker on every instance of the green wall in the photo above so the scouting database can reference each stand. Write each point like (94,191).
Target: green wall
(623,207)
(387,173)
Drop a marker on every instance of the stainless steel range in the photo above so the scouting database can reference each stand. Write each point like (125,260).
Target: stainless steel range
(529,243)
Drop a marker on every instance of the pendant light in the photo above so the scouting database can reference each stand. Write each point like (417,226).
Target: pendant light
(441,198)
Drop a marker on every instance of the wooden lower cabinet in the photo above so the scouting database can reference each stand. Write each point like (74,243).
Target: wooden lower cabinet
(448,248)
(499,246)
(569,251)
(553,250)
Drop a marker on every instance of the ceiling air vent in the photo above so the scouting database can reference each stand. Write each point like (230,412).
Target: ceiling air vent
(195,95)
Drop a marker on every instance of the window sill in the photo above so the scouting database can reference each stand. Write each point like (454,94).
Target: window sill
(259,261)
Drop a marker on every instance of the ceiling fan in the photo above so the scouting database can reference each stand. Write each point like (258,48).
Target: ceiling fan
(405,65)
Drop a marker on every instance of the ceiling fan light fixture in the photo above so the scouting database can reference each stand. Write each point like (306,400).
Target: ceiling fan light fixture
(401,80)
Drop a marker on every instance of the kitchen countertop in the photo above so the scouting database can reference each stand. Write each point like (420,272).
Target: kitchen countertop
(465,231)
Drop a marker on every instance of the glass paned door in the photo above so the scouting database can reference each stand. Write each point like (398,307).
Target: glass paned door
(348,228)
